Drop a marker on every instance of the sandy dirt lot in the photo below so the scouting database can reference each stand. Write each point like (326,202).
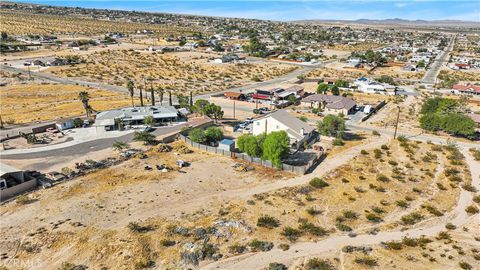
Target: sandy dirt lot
(182,71)
(25,103)
(92,219)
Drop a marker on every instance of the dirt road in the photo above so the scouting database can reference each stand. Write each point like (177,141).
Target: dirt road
(457,216)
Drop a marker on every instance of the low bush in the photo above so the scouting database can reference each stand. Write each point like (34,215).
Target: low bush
(313,212)
(257,245)
(318,183)
(373,218)
(472,209)
(318,264)
(276,266)
(167,242)
(291,234)
(350,214)
(237,248)
(310,228)
(268,222)
(366,260)
(412,218)
(342,227)
(135,227)
(394,245)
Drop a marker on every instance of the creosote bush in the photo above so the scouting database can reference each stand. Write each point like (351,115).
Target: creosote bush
(268,222)
(318,183)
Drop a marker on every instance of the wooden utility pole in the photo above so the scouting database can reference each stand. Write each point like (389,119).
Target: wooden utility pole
(396,124)
(233,109)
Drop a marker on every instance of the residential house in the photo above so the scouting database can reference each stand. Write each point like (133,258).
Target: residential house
(469,89)
(234,95)
(297,130)
(370,86)
(110,120)
(64,124)
(330,104)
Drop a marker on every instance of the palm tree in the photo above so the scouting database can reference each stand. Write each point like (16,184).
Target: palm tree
(152,95)
(161,96)
(141,95)
(84,97)
(170,102)
(131,89)
(120,146)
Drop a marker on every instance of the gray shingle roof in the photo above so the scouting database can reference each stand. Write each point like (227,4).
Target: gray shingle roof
(332,102)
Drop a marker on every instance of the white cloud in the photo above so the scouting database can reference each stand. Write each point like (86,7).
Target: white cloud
(401,5)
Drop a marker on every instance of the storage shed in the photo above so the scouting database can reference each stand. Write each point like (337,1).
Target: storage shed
(226,145)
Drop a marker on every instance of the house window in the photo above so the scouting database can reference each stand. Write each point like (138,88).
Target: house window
(258,123)
(278,127)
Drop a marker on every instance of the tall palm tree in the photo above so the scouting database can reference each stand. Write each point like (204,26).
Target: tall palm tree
(152,95)
(84,97)
(170,102)
(131,89)
(141,95)
(161,96)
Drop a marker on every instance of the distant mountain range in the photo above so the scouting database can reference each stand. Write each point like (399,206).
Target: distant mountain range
(397,21)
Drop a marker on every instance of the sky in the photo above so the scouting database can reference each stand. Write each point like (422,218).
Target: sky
(288,10)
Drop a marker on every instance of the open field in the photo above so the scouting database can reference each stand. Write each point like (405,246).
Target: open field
(464,76)
(20,23)
(125,217)
(25,103)
(339,70)
(92,212)
(184,72)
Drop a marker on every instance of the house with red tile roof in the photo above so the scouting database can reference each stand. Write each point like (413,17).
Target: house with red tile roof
(469,88)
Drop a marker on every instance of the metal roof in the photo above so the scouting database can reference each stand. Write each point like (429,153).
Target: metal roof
(4,168)
(139,113)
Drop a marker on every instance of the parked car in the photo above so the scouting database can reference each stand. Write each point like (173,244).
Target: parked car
(44,183)
(56,176)
(147,129)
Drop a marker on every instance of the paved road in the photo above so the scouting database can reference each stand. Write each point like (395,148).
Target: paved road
(88,146)
(50,77)
(431,74)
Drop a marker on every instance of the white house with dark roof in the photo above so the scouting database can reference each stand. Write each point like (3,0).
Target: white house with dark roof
(297,130)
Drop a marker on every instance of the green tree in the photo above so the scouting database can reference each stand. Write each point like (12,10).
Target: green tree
(430,105)
(447,105)
(249,144)
(183,101)
(334,89)
(84,97)
(213,134)
(276,147)
(322,88)
(421,64)
(332,125)
(143,136)
(386,79)
(197,135)
(200,105)
(77,122)
(459,124)
(131,90)
(431,122)
(342,83)
(149,120)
